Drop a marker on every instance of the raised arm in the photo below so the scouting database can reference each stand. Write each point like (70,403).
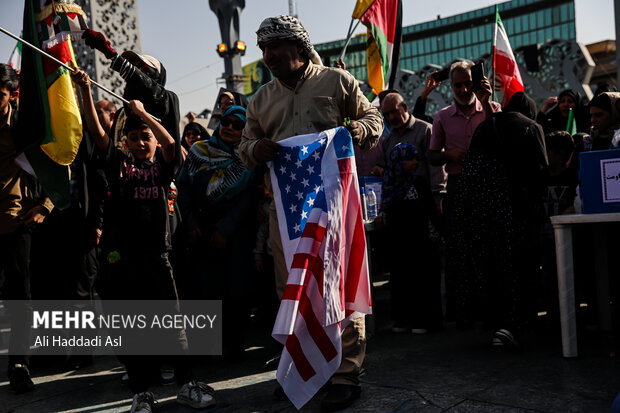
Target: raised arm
(102,140)
(166,141)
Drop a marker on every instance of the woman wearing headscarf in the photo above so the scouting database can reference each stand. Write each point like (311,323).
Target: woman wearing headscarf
(605,118)
(498,211)
(407,209)
(216,198)
(553,116)
(192,133)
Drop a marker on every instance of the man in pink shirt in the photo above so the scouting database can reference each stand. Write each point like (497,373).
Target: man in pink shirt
(454,125)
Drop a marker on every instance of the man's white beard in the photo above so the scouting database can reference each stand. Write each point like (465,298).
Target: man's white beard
(465,103)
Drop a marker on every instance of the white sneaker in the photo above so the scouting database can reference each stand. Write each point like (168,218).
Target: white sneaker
(196,394)
(143,403)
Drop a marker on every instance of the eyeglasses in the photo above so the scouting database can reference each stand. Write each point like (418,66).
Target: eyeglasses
(236,124)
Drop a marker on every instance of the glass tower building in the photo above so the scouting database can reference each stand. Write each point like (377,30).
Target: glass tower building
(468,35)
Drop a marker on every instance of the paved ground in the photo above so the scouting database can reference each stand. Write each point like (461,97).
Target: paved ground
(448,371)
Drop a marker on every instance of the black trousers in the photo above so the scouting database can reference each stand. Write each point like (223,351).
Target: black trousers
(15,265)
(415,277)
(147,275)
(61,245)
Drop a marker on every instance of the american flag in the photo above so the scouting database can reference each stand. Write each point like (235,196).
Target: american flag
(319,212)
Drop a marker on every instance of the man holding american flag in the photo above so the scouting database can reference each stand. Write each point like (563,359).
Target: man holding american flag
(306,98)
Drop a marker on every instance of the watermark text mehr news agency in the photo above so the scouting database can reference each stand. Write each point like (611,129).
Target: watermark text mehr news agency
(89,320)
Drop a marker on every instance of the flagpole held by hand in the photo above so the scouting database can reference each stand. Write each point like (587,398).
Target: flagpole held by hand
(349,35)
(69,68)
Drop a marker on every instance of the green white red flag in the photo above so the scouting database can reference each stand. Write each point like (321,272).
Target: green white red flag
(16,57)
(507,79)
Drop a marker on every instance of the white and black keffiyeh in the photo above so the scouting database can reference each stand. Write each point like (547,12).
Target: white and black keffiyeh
(287,28)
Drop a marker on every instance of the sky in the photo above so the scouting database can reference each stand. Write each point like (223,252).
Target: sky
(183,34)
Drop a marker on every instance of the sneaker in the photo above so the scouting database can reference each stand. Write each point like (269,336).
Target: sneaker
(19,378)
(401,328)
(419,330)
(196,394)
(507,338)
(167,377)
(143,403)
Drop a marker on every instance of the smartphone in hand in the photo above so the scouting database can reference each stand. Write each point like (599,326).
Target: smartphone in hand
(477,74)
(442,75)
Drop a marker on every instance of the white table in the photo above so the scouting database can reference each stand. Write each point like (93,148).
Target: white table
(562,225)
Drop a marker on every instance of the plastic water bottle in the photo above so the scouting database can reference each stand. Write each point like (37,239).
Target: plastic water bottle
(587,143)
(364,204)
(372,204)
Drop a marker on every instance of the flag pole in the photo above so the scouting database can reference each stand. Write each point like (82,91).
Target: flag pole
(571,116)
(349,35)
(69,68)
(493,47)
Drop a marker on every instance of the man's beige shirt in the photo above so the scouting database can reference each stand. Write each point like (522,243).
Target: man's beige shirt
(321,100)
(16,194)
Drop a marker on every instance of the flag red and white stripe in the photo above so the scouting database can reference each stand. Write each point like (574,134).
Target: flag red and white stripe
(328,283)
(507,78)
(15,60)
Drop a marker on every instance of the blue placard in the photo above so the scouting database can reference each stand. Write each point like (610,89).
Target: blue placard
(599,181)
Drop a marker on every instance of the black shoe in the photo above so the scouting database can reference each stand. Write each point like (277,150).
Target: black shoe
(19,378)
(340,396)
(401,327)
(507,338)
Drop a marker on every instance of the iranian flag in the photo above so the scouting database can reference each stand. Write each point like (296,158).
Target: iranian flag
(383,18)
(507,79)
(16,57)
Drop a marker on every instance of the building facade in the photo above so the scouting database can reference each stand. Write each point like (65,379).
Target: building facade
(118,21)
(468,35)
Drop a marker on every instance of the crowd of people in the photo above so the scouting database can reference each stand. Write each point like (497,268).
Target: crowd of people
(160,214)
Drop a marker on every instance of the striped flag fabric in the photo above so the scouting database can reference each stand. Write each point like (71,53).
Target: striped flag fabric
(384,20)
(318,205)
(507,78)
(15,61)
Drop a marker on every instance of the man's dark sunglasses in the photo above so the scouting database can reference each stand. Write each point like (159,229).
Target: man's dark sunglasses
(236,124)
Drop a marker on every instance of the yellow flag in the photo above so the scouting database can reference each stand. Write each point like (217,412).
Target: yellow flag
(66,122)
(360,8)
